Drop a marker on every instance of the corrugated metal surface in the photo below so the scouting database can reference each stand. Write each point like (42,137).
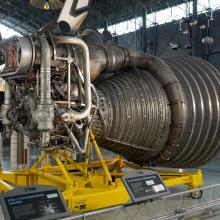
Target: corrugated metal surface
(135,115)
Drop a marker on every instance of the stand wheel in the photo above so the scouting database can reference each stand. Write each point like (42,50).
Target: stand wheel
(197,194)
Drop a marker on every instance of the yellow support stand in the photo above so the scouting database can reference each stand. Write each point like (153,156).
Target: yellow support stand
(192,180)
(88,185)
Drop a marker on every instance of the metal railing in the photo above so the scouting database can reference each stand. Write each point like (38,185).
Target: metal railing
(175,205)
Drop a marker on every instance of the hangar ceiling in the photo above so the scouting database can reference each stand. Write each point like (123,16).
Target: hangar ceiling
(24,18)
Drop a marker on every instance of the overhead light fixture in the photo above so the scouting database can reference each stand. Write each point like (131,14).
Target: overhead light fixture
(207,40)
(174,46)
(47,4)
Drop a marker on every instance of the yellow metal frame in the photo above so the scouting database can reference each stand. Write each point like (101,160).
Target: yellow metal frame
(89,185)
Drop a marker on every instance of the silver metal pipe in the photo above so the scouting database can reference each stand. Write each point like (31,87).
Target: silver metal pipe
(20,148)
(73,139)
(64,102)
(7,95)
(69,85)
(45,110)
(37,75)
(45,138)
(45,72)
(7,105)
(14,151)
(74,115)
(86,137)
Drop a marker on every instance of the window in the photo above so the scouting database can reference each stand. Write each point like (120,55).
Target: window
(215,4)
(125,26)
(163,16)
(204,4)
(159,17)
(7,32)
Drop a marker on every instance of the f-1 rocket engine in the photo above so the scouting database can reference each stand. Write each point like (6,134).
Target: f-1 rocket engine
(151,111)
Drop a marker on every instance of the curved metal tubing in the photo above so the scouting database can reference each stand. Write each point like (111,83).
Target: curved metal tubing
(74,115)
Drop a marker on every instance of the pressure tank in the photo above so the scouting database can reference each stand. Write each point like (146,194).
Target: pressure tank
(169,119)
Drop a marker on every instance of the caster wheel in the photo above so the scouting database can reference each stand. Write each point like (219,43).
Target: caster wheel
(197,194)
